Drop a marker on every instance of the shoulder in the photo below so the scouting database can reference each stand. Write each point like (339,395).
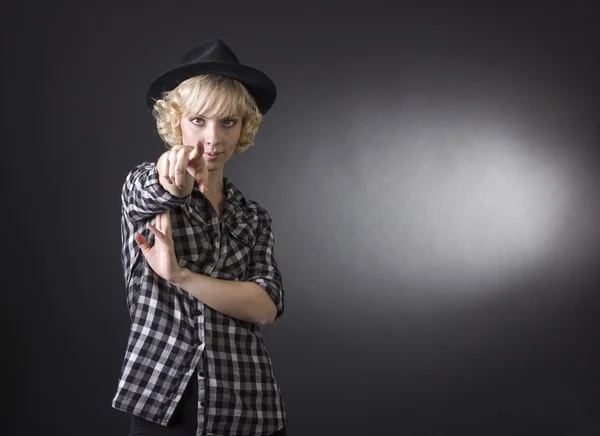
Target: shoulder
(139,167)
(252,209)
(259,211)
(142,171)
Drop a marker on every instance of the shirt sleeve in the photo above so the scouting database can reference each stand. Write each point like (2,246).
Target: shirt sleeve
(143,196)
(263,269)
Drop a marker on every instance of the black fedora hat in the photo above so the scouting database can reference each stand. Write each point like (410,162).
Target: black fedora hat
(213,56)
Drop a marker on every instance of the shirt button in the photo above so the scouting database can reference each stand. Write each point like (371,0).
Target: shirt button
(201,373)
(197,312)
(202,403)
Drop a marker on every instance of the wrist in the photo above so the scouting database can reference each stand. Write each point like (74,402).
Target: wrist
(181,277)
(169,186)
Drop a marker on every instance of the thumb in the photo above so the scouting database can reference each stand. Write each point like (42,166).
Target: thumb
(142,242)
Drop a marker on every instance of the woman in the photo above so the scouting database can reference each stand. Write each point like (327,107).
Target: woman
(198,261)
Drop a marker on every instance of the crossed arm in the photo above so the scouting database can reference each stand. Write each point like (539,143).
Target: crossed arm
(258,299)
(244,300)
(247,301)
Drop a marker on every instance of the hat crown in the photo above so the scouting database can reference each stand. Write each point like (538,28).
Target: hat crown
(213,56)
(212,50)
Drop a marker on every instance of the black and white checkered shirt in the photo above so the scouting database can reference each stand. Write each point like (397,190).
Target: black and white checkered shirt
(173,333)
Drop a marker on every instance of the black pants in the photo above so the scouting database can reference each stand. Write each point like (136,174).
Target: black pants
(184,420)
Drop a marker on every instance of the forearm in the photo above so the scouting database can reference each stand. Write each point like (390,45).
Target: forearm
(246,301)
(172,188)
(143,195)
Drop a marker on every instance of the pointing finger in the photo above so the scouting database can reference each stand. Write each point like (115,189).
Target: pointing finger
(199,148)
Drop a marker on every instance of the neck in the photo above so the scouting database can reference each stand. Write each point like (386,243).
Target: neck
(215,184)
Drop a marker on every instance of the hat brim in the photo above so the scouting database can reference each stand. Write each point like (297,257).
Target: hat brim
(260,86)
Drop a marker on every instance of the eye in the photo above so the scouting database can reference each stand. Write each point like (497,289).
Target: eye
(230,122)
(196,120)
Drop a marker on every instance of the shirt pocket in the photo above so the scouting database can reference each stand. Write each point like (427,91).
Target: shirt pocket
(194,242)
(240,242)
(196,250)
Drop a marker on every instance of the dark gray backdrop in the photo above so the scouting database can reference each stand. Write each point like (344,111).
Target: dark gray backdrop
(432,173)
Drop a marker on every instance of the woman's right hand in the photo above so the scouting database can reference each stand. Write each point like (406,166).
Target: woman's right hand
(180,166)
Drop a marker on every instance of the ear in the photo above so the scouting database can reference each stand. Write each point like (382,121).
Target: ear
(175,119)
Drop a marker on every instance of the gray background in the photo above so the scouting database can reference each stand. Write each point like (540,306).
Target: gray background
(432,173)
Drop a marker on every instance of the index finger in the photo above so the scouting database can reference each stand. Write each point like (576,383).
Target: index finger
(198,149)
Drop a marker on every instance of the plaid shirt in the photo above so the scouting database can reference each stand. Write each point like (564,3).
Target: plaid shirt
(173,333)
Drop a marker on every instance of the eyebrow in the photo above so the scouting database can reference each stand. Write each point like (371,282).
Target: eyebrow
(224,117)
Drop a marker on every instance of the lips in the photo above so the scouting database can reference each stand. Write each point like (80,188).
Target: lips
(211,156)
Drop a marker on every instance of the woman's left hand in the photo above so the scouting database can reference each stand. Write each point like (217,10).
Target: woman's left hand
(161,255)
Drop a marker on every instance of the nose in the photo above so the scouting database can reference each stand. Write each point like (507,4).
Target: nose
(211,134)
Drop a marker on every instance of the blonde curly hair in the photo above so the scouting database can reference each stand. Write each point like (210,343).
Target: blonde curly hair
(209,95)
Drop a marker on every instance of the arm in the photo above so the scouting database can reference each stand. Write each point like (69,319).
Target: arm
(143,196)
(243,300)
(151,188)
(257,299)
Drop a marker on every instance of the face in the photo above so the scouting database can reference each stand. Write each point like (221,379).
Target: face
(218,135)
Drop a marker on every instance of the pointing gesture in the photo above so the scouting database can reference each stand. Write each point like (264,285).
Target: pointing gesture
(181,165)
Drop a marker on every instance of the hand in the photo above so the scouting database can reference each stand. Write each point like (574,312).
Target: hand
(182,160)
(161,256)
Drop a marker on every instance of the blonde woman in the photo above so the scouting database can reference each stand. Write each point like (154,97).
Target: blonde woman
(198,260)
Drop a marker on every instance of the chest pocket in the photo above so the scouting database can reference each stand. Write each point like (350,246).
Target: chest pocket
(194,239)
(240,230)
